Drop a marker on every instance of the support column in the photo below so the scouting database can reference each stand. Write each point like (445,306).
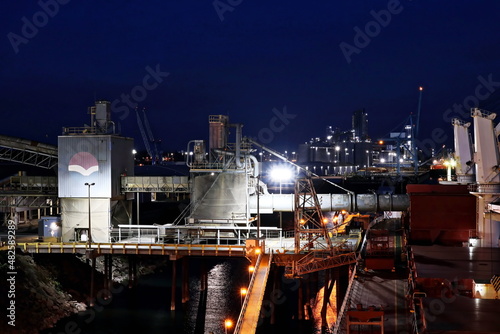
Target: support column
(92,271)
(110,273)
(300,301)
(106,277)
(185,279)
(276,287)
(307,305)
(327,292)
(137,207)
(204,277)
(132,271)
(174,283)
(342,282)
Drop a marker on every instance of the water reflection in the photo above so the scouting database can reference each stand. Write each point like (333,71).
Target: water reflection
(146,307)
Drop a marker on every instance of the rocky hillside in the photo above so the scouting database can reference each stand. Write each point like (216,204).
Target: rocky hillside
(39,299)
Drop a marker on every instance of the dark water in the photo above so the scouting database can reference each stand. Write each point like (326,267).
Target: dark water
(146,307)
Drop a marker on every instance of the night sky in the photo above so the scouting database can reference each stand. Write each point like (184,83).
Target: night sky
(286,70)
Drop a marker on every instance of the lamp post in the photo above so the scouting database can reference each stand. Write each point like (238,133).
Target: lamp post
(89,239)
(281,174)
(251,269)
(258,209)
(228,324)
(243,293)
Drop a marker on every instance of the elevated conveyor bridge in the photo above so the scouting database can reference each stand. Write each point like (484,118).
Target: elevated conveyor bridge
(28,152)
(165,184)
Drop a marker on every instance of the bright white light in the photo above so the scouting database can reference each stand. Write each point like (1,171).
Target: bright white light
(134,152)
(280,173)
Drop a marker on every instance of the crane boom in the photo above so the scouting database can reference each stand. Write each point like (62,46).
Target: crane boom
(155,156)
(278,155)
(143,135)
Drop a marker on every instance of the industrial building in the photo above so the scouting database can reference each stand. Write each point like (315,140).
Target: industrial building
(347,152)
(91,205)
(339,151)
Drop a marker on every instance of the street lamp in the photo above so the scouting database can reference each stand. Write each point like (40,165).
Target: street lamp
(243,293)
(251,269)
(281,174)
(90,221)
(228,324)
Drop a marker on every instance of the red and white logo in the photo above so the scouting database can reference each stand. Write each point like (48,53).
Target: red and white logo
(83,163)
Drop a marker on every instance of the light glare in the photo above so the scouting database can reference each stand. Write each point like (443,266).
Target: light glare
(281,174)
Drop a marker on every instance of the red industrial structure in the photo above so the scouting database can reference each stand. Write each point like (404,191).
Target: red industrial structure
(441,214)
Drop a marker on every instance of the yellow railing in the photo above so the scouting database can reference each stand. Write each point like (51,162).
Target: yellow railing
(190,249)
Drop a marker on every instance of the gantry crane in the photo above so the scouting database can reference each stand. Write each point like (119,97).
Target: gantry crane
(315,248)
(148,138)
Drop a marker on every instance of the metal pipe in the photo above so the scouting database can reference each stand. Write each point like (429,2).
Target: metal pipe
(256,170)
(238,144)
(332,202)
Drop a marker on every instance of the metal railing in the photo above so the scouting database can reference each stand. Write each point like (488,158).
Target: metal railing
(237,328)
(114,248)
(183,234)
(341,323)
(78,130)
(239,323)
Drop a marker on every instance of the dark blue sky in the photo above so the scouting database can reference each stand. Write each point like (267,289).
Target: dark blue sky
(262,56)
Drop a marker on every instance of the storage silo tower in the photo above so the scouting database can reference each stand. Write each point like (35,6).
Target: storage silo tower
(92,160)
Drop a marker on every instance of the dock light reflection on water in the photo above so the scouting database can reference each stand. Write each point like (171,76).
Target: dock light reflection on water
(146,307)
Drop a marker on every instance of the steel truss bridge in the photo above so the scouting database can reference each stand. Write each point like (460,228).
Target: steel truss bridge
(28,152)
